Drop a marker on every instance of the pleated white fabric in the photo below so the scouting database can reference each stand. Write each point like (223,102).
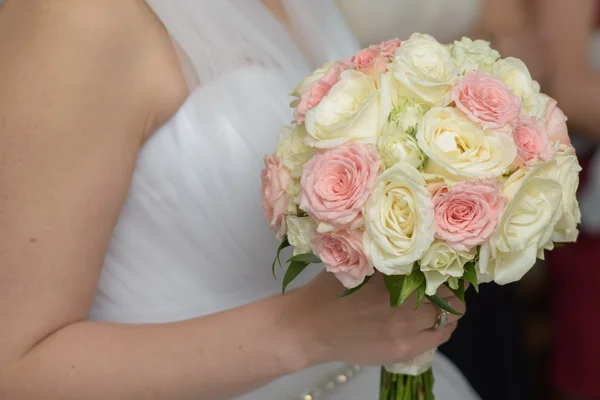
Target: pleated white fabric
(191,239)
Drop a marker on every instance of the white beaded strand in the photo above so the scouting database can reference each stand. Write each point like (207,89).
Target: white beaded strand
(325,388)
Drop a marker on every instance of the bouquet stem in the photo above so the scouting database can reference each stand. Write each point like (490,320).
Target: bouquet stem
(406,387)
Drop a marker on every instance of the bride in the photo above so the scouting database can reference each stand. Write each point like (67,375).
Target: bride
(135,260)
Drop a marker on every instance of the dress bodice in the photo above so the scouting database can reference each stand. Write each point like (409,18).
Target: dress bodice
(191,238)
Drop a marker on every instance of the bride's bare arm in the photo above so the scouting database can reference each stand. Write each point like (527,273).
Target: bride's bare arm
(82,84)
(79,85)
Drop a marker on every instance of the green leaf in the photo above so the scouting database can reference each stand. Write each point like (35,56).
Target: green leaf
(470,275)
(292,272)
(421,294)
(460,291)
(411,283)
(559,245)
(308,258)
(400,287)
(443,304)
(393,283)
(285,243)
(348,292)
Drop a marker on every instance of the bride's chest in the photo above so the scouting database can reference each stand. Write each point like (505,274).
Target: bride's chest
(212,149)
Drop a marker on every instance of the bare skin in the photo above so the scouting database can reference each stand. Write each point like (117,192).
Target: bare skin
(566,31)
(82,86)
(512,30)
(553,38)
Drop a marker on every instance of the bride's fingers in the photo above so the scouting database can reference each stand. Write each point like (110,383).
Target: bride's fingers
(427,317)
(430,339)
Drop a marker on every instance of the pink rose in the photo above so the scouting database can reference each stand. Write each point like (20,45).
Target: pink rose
(486,100)
(275,179)
(436,188)
(336,183)
(556,126)
(370,61)
(348,62)
(467,214)
(317,90)
(388,47)
(532,141)
(342,253)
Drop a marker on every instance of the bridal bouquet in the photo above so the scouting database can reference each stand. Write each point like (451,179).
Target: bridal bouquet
(431,164)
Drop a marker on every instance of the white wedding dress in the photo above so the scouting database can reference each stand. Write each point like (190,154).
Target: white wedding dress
(191,239)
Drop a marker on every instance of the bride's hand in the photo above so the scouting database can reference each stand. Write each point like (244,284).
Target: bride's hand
(361,328)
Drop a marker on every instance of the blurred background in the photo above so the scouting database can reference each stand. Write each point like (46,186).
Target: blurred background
(540,338)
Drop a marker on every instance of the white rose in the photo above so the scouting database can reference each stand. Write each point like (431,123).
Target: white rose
(293,193)
(458,149)
(504,268)
(536,104)
(300,233)
(350,111)
(525,227)
(396,145)
(566,172)
(441,262)
(389,96)
(407,116)
(472,55)
(399,220)
(292,150)
(312,78)
(425,69)
(514,73)
(394,106)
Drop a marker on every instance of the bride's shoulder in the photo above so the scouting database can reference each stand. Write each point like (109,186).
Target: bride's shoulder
(126,40)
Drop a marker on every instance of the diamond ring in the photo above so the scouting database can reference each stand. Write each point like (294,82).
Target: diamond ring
(442,319)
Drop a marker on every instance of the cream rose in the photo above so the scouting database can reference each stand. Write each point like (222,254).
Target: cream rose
(514,73)
(396,145)
(566,171)
(399,221)
(525,227)
(391,102)
(458,149)
(441,262)
(300,233)
(349,111)
(292,150)
(425,69)
(473,55)
(293,194)
(407,116)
